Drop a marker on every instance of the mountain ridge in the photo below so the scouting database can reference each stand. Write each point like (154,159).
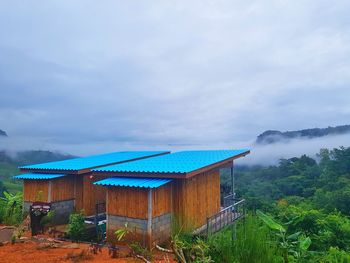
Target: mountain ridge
(274,136)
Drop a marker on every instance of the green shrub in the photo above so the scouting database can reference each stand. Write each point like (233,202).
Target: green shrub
(47,219)
(334,255)
(76,226)
(11,208)
(138,249)
(189,249)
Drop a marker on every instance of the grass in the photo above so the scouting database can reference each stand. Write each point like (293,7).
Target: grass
(252,244)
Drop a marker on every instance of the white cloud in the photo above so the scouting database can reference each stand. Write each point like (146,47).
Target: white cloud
(201,72)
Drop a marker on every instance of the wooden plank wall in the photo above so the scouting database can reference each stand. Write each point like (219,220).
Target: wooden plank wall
(161,200)
(126,201)
(62,188)
(78,193)
(92,194)
(133,202)
(31,189)
(196,198)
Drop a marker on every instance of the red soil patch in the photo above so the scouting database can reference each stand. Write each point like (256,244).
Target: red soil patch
(29,252)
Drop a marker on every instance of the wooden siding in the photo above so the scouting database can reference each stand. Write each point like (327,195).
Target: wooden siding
(31,189)
(161,200)
(196,198)
(126,201)
(62,188)
(92,194)
(78,193)
(133,202)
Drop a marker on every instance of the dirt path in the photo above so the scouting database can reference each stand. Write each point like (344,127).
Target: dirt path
(30,252)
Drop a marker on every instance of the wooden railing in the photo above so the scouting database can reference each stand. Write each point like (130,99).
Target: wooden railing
(226,216)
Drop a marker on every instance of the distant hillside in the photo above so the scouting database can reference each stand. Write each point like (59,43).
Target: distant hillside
(272,136)
(31,157)
(3,133)
(10,162)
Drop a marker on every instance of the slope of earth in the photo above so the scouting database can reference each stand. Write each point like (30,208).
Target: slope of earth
(70,252)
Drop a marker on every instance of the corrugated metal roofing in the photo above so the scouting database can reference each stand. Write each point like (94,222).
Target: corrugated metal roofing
(38,176)
(134,182)
(180,162)
(92,161)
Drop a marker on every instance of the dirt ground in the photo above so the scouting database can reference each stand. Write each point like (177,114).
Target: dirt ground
(35,252)
(44,248)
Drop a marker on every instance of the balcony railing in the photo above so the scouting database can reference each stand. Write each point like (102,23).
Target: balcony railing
(227,216)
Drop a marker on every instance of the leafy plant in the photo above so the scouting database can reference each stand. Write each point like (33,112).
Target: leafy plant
(334,255)
(76,226)
(188,249)
(11,208)
(138,249)
(47,219)
(122,232)
(294,244)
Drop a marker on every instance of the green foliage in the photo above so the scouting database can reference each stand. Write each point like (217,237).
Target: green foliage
(253,244)
(334,255)
(138,249)
(76,226)
(326,230)
(11,208)
(122,232)
(47,219)
(270,222)
(7,170)
(309,199)
(188,249)
(293,245)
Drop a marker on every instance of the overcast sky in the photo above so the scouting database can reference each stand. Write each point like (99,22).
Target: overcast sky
(94,76)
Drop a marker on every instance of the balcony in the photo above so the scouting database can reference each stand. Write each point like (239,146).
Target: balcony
(233,210)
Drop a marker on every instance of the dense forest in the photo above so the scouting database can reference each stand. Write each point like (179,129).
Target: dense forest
(308,198)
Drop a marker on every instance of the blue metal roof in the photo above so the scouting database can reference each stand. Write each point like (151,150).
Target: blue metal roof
(92,161)
(180,162)
(134,182)
(38,176)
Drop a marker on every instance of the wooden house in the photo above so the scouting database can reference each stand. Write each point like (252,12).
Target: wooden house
(181,188)
(68,185)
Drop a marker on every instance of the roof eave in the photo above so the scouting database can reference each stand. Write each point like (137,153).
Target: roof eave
(224,163)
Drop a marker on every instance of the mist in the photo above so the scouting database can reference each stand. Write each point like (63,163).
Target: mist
(268,154)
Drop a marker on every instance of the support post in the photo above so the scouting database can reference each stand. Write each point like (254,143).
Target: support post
(49,194)
(75,191)
(232,182)
(208,230)
(149,219)
(107,219)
